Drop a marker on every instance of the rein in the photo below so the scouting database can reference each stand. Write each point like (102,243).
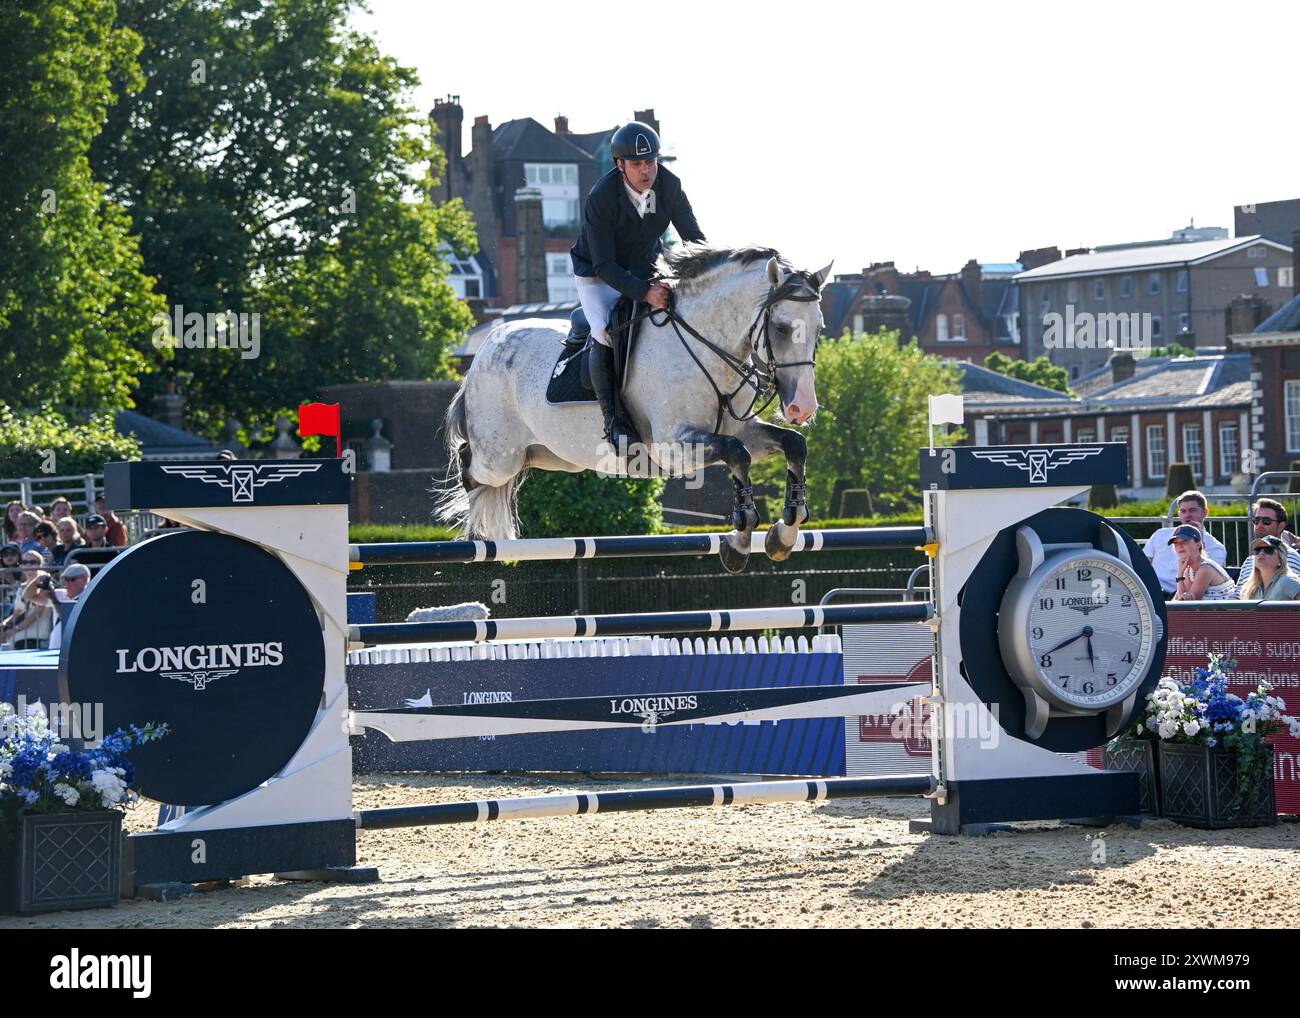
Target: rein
(761,379)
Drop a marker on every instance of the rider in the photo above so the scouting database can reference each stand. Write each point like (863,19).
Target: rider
(626,214)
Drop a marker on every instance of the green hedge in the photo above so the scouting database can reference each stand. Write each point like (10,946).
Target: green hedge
(28,439)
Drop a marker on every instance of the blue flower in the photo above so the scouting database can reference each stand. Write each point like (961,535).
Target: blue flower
(71,766)
(27,765)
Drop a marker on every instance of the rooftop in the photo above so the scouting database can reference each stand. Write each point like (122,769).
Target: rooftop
(1150,257)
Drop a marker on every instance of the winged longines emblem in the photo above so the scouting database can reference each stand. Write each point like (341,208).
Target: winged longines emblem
(199,680)
(243,479)
(1038,462)
(651,718)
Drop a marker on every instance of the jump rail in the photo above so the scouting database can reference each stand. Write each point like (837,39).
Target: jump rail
(645,546)
(518,808)
(568,626)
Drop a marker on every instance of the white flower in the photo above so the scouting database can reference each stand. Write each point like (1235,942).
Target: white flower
(109,784)
(67,793)
(1167,729)
(1191,727)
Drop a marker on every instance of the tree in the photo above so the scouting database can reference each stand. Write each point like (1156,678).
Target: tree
(872,422)
(273,164)
(1040,372)
(75,302)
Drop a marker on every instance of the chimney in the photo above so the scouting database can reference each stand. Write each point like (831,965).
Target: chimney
(531,251)
(1039,256)
(648,117)
(1121,367)
(1077,250)
(448,117)
(1244,313)
(884,275)
(971,278)
(561,124)
(1295,263)
(171,406)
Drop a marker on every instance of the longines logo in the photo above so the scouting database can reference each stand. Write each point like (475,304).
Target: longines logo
(652,709)
(200,664)
(489,696)
(243,480)
(1085,604)
(1038,462)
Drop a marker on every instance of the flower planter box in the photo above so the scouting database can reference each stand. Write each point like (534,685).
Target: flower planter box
(1141,755)
(1198,785)
(64,861)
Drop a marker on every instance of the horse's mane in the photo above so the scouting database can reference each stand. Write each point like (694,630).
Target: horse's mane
(692,261)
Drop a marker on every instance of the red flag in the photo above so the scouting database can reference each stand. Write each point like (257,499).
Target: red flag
(321,419)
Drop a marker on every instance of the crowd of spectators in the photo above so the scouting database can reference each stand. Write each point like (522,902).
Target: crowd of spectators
(39,571)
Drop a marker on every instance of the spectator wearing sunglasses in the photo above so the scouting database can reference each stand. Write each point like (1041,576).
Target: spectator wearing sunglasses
(30,624)
(1269,519)
(1271,579)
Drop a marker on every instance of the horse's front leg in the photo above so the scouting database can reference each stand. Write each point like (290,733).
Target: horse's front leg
(708,448)
(761,439)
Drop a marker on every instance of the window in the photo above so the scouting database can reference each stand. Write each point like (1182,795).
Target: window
(1182,280)
(941,327)
(1228,449)
(1153,283)
(1192,451)
(558,183)
(1293,415)
(1157,327)
(1085,435)
(1071,292)
(1155,451)
(1013,328)
(1119,434)
(1126,286)
(1074,372)
(958,326)
(1255,251)
(1286,276)
(1045,301)
(1184,322)
(472,288)
(557,264)
(1099,289)
(1261,277)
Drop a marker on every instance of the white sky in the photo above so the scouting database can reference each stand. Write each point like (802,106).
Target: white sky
(925,133)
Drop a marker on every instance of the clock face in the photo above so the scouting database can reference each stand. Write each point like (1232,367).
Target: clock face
(1091,629)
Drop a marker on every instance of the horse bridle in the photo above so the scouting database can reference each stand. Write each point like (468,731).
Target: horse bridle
(756,372)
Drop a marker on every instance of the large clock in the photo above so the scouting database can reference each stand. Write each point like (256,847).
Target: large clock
(1077,629)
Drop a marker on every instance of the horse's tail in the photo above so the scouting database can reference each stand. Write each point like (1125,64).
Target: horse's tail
(478,510)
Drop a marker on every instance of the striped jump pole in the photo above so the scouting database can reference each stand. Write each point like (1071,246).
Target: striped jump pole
(647,546)
(638,710)
(680,797)
(636,624)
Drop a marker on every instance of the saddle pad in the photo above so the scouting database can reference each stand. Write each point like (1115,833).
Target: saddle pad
(566,387)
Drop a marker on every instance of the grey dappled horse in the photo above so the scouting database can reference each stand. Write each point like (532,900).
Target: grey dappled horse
(697,378)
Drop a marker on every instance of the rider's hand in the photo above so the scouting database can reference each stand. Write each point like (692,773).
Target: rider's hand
(657,296)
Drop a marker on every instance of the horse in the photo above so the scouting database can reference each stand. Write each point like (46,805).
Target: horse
(741,321)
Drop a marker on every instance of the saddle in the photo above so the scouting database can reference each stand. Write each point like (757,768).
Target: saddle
(571,379)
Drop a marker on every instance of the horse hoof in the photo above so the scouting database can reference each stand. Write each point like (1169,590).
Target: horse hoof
(733,561)
(779,541)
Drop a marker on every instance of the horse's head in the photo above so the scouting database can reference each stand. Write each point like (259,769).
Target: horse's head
(789,322)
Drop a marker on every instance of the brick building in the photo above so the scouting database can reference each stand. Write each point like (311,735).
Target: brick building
(1171,292)
(525,184)
(965,315)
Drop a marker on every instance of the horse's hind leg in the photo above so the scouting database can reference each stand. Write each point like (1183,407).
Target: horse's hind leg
(728,449)
(761,439)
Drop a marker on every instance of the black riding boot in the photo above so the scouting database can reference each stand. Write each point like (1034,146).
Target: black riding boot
(618,430)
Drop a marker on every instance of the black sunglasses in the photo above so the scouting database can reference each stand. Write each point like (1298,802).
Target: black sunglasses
(1266,519)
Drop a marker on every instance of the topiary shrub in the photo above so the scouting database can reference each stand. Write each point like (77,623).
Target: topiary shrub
(1180,479)
(856,502)
(554,504)
(1103,496)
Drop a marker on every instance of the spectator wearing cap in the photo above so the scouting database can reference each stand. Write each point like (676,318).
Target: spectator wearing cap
(75,578)
(1269,519)
(12,511)
(95,532)
(28,627)
(115,529)
(70,539)
(59,508)
(1271,579)
(1199,578)
(1192,508)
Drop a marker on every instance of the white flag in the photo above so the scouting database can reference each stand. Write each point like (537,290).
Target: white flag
(946,409)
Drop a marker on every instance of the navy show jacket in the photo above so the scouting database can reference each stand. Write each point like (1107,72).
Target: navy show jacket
(618,245)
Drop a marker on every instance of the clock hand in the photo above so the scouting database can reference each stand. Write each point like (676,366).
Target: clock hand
(1066,643)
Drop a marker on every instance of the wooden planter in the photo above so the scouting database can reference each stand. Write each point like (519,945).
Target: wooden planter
(1198,785)
(64,861)
(1141,755)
